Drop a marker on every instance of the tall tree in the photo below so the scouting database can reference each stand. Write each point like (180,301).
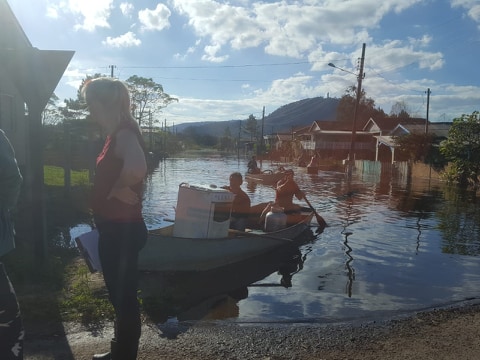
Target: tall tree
(462,148)
(400,110)
(367,109)
(51,114)
(251,127)
(148,98)
(75,109)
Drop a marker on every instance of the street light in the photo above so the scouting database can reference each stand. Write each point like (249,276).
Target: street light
(360,75)
(339,68)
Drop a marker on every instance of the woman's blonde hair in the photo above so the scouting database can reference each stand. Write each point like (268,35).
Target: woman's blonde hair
(112,93)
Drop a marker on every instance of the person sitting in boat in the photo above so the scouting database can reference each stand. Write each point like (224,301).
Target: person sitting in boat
(241,202)
(285,190)
(253,166)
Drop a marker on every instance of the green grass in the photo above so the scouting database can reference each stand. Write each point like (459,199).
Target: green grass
(54,176)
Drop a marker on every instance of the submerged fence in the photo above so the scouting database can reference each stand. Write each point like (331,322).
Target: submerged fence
(400,170)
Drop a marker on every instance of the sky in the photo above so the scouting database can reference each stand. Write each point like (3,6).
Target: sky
(226,60)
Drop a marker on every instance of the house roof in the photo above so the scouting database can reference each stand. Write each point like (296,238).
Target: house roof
(388,124)
(334,126)
(34,72)
(302,130)
(12,35)
(438,129)
(284,137)
(386,140)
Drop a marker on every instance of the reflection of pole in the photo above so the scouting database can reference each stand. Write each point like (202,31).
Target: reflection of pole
(351,155)
(350,270)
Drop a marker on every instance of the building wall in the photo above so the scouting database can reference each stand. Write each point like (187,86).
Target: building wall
(12,117)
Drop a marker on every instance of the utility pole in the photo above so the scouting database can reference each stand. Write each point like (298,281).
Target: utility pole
(261,138)
(360,76)
(428,105)
(111,69)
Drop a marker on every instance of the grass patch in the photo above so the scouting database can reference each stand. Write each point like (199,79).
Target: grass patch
(85,298)
(55,176)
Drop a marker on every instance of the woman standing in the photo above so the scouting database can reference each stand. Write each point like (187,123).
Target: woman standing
(117,208)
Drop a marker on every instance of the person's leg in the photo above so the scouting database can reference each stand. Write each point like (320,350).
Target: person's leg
(118,249)
(11,326)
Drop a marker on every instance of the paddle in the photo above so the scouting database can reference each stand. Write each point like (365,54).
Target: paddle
(321,222)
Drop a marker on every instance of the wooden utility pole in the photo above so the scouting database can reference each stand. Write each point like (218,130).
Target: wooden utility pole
(111,69)
(360,76)
(428,105)
(261,136)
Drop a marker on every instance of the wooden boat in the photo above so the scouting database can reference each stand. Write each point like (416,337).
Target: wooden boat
(166,252)
(200,239)
(267,177)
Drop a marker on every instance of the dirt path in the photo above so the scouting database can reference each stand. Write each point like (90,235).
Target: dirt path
(452,333)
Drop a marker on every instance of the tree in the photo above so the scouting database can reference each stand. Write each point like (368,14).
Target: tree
(251,127)
(75,109)
(226,142)
(367,109)
(462,148)
(51,115)
(148,98)
(414,146)
(400,110)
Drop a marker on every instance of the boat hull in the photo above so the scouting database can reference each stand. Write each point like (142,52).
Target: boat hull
(165,252)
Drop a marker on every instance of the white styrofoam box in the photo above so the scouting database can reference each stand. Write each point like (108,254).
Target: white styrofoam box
(202,212)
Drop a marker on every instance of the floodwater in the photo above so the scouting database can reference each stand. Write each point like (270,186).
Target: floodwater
(389,248)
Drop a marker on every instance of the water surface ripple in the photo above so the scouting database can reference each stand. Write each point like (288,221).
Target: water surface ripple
(390,247)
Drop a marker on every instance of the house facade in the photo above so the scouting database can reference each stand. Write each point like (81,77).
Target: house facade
(373,140)
(28,77)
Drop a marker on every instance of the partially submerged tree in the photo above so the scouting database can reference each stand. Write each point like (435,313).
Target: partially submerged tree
(414,146)
(462,149)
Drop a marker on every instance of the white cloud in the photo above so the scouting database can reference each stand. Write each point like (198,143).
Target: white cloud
(127,9)
(126,40)
(93,13)
(286,29)
(157,19)
(211,54)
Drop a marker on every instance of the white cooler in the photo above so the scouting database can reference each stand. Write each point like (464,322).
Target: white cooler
(202,212)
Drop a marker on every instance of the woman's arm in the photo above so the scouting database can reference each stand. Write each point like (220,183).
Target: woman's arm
(134,166)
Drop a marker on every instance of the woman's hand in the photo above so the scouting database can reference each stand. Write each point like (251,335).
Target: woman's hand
(124,194)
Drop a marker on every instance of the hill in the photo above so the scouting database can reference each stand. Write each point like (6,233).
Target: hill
(297,114)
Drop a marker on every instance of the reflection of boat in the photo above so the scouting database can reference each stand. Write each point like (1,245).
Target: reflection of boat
(267,177)
(165,251)
(214,293)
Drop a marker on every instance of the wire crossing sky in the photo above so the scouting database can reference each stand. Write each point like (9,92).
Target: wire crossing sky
(225,60)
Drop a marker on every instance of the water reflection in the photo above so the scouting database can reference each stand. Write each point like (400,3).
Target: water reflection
(214,294)
(391,246)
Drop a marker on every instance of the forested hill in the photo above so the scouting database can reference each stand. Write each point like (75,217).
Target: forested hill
(297,114)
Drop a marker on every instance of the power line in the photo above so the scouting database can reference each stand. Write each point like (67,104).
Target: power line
(221,66)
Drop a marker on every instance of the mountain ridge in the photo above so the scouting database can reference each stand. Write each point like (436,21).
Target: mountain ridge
(293,115)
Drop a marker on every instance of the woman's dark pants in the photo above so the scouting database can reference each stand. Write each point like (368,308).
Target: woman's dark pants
(118,247)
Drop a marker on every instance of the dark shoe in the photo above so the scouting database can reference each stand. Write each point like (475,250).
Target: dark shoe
(105,356)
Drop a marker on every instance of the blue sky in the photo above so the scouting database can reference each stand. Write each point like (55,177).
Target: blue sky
(226,60)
